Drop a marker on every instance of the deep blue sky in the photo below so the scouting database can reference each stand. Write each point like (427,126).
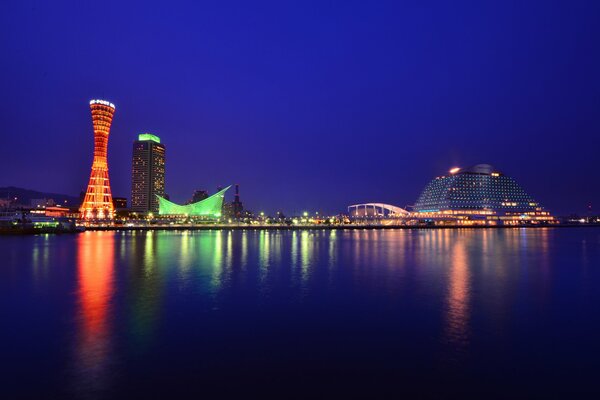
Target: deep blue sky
(308,105)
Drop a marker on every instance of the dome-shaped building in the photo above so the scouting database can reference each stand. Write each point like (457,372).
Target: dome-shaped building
(479,195)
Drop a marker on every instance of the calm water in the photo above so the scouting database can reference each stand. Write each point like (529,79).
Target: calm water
(301,314)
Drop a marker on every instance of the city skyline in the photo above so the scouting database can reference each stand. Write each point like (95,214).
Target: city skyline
(331,199)
(315,115)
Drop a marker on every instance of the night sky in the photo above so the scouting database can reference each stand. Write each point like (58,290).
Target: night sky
(307,105)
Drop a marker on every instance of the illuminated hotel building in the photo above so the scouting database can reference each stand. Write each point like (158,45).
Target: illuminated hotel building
(97,202)
(479,195)
(147,173)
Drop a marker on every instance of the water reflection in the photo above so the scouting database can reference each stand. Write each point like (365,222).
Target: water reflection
(145,290)
(95,274)
(164,309)
(457,317)
(40,257)
(211,270)
(305,255)
(264,251)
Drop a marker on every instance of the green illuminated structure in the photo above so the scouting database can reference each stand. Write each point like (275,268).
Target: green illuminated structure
(148,136)
(209,207)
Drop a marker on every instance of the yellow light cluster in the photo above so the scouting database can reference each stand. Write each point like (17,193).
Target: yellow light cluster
(452,212)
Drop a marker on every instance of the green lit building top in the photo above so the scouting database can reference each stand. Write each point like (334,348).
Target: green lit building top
(148,136)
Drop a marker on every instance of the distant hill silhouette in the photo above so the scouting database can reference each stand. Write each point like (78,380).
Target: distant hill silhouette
(25,196)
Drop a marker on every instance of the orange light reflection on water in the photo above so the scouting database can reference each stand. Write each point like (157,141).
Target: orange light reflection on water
(457,317)
(95,270)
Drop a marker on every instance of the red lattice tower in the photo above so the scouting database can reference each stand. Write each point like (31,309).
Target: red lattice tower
(97,203)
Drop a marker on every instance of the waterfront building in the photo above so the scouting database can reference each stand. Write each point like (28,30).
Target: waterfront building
(227,210)
(97,202)
(479,195)
(147,173)
(210,207)
(60,212)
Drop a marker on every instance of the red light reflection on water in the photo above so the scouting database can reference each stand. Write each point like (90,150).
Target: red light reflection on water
(95,269)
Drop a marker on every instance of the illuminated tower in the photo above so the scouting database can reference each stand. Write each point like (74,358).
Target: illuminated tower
(98,203)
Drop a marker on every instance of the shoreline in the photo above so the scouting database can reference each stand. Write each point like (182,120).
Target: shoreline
(279,228)
(318,227)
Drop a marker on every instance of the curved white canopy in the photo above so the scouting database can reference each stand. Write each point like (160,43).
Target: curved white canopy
(379,209)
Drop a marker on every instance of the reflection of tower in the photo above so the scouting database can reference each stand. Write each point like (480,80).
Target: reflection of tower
(147,173)
(95,281)
(98,199)
(238,207)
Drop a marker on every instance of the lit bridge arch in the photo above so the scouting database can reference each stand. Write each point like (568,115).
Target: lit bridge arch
(377,210)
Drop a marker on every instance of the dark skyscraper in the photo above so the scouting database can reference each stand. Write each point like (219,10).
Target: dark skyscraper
(147,173)
(238,207)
